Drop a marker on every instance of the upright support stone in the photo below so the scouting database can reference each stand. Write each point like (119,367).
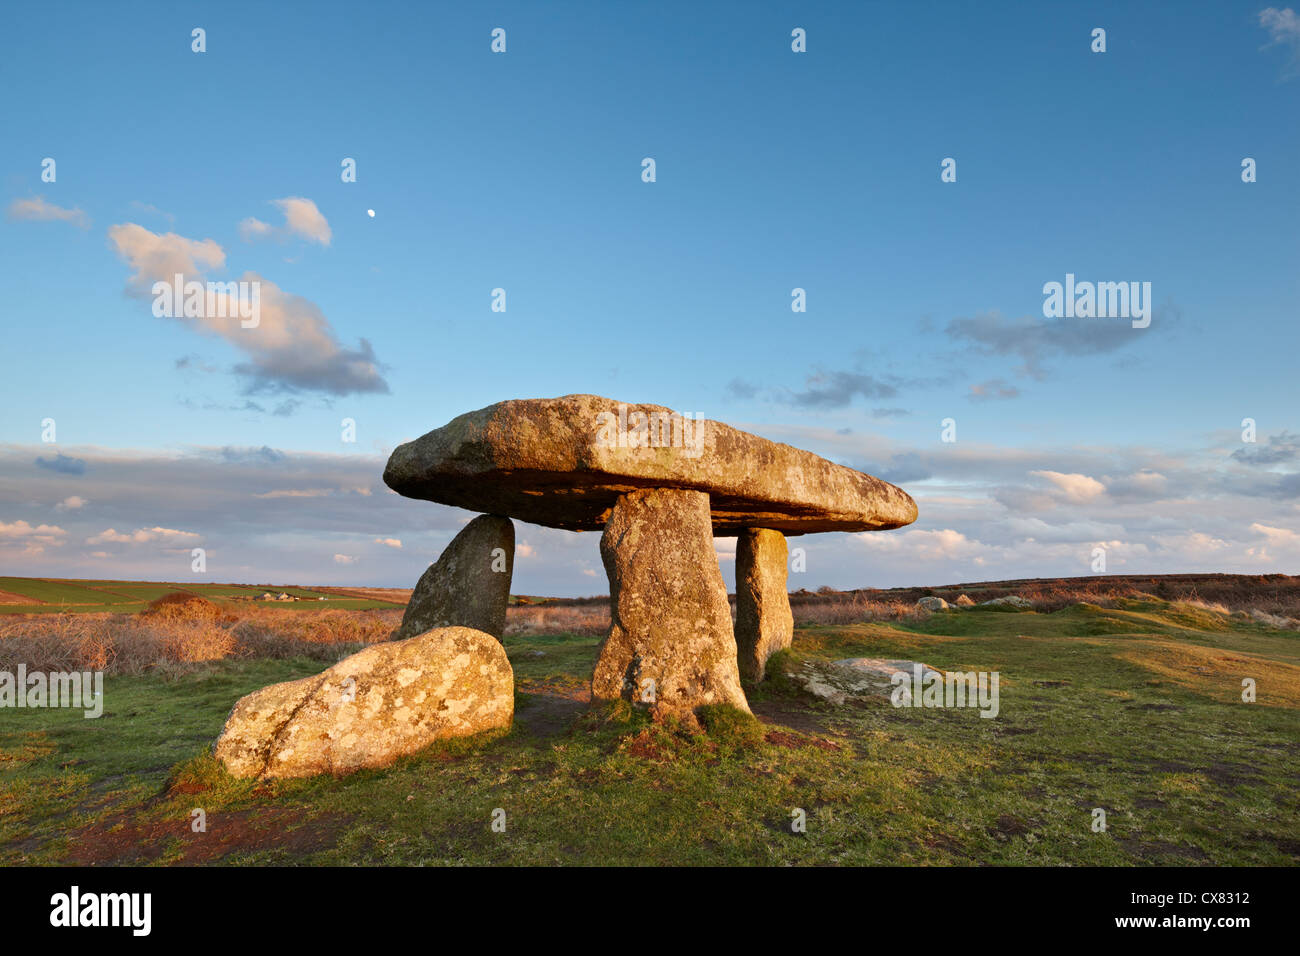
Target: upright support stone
(469,585)
(670,641)
(764,621)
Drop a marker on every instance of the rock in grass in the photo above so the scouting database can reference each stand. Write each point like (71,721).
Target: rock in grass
(932,603)
(836,682)
(764,621)
(1011,600)
(469,585)
(964,601)
(384,702)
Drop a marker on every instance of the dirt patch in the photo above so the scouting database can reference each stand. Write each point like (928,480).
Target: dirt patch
(788,716)
(550,708)
(643,745)
(122,840)
(1008,826)
(8,597)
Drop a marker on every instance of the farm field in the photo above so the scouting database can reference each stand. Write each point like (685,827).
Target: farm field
(53,595)
(1134,708)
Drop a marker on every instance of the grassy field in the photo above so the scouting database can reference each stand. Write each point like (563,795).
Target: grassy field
(1134,708)
(53,596)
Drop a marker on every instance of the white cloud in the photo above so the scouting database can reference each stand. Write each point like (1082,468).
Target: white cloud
(292,347)
(157,257)
(45,533)
(1276,535)
(31,540)
(141,536)
(345,559)
(253,228)
(525,550)
(390,542)
(38,210)
(301,218)
(1283,27)
(1075,487)
(71,503)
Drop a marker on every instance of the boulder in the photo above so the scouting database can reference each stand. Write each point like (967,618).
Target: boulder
(964,601)
(670,641)
(764,621)
(384,702)
(838,682)
(1011,600)
(469,585)
(931,603)
(564,462)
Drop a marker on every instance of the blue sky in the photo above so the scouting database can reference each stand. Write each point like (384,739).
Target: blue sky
(775,170)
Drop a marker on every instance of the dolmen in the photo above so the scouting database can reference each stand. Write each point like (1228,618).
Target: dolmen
(659,485)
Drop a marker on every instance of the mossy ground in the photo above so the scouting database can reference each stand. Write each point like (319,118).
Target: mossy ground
(1136,710)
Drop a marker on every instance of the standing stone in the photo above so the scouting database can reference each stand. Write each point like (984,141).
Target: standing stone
(469,585)
(670,622)
(764,621)
(389,700)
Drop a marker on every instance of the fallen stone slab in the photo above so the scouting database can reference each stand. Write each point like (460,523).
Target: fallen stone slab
(855,677)
(564,462)
(670,643)
(369,709)
(764,621)
(469,584)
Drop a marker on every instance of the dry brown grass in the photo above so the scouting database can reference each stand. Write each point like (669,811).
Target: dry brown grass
(178,632)
(182,631)
(852,607)
(590,619)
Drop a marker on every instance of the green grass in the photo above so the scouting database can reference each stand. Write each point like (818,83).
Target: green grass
(1135,710)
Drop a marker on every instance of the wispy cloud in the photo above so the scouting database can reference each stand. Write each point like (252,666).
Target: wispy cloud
(293,347)
(993,389)
(37,209)
(62,464)
(301,218)
(1283,27)
(1035,341)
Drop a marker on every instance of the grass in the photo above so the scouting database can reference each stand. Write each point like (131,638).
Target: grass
(1135,709)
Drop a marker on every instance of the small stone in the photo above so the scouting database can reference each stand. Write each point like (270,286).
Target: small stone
(389,700)
(469,585)
(764,621)
(932,603)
